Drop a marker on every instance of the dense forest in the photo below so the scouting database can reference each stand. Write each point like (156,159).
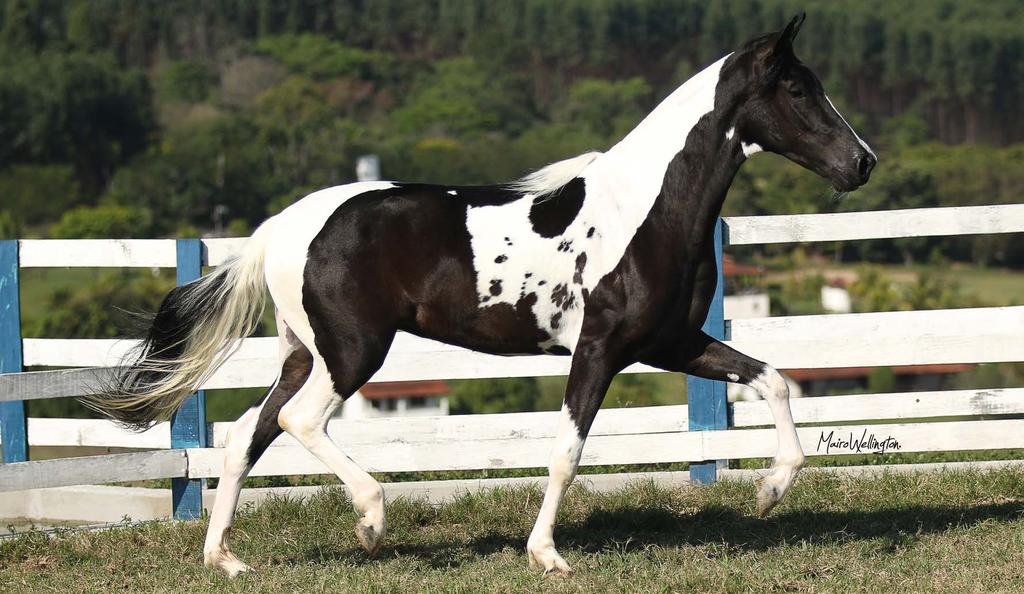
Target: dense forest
(153,118)
(146,118)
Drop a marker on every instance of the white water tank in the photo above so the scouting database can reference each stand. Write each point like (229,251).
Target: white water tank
(368,168)
(835,300)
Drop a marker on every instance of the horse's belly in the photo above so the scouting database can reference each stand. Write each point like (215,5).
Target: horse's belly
(457,318)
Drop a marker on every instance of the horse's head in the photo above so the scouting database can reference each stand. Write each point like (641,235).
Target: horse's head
(786,112)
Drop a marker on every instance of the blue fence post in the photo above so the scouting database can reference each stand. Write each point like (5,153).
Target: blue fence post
(188,425)
(13,426)
(707,404)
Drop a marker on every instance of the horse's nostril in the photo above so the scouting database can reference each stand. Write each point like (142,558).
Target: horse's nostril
(865,164)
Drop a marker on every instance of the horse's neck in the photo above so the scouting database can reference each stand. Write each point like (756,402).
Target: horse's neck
(663,132)
(632,175)
(695,186)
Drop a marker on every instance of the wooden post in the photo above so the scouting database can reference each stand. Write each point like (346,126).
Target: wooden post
(13,427)
(188,425)
(707,404)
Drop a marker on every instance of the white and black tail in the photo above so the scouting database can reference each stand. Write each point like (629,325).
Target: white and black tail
(196,329)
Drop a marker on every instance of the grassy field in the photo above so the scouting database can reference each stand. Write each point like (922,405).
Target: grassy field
(991,286)
(954,531)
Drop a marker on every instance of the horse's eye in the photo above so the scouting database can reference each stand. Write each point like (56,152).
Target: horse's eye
(796,92)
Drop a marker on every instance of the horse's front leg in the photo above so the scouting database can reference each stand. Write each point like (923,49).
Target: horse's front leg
(591,373)
(706,357)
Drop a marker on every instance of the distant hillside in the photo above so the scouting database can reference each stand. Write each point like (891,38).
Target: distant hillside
(149,118)
(956,64)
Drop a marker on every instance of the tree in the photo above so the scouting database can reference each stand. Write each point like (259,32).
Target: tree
(874,291)
(494,395)
(102,222)
(608,108)
(186,80)
(38,193)
(73,108)
(461,97)
(112,307)
(322,58)
(196,168)
(30,24)
(10,227)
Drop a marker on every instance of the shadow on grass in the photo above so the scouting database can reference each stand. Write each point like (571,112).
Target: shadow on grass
(436,555)
(896,527)
(632,528)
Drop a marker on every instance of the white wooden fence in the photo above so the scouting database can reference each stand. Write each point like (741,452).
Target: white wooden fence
(619,436)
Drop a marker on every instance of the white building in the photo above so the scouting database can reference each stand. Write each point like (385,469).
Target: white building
(742,307)
(836,300)
(397,399)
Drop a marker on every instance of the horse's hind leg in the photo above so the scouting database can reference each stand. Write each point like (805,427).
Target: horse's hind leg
(246,441)
(355,358)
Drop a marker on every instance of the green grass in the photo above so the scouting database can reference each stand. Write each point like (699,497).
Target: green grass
(991,286)
(995,286)
(39,284)
(952,531)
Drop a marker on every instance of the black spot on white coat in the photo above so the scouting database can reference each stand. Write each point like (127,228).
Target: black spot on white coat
(581,263)
(552,214)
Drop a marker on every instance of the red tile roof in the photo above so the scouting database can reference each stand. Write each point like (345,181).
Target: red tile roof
(385,390)
(855,372)
(731,268)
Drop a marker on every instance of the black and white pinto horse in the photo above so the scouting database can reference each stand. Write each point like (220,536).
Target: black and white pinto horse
(605,257)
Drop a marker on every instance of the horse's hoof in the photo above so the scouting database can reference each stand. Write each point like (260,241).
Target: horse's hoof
(768,496)
(369,535)
(240,569)
(558,572)
(551,561)
(227,564)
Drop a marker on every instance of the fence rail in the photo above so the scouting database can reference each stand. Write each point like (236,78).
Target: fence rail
(919,222)
(541,425)
(639,436)
(976,335)
(619,436)
(886,224)
(631,448)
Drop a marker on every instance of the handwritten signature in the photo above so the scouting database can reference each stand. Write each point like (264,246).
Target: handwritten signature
(857,445)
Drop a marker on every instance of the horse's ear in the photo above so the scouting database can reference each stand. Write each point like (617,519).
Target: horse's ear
(782,50)
(784,42)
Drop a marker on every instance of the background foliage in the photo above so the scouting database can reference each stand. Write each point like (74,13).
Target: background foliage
(142,118)
(173,108)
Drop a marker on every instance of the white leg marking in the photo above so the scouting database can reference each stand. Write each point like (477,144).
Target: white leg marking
(216,552)
(565,458)
(732,377)
(305,417)
(790,455)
